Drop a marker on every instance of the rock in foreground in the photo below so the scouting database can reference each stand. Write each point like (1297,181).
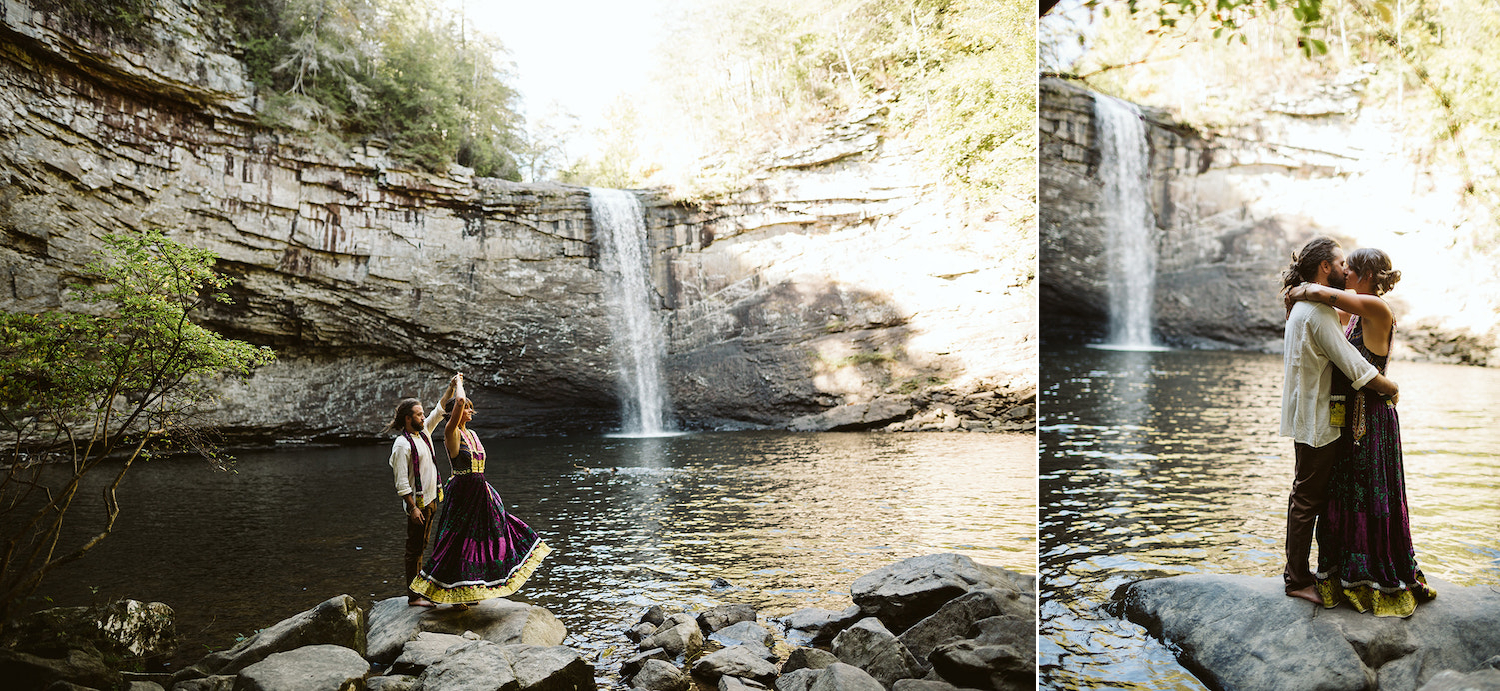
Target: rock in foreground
(1244,633)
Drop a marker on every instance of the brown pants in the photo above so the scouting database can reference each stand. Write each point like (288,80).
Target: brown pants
(1308,499)
(416,543)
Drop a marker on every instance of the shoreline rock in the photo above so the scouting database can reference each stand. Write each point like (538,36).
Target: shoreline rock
(1243,632)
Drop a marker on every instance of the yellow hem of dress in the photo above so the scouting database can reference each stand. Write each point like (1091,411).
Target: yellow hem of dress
(474,593)
(1366,598)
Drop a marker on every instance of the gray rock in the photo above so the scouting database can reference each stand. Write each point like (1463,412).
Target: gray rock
(1449,680)
(728,683)
(484,666)
(922,685)
(841,677)
(144,686)
(336,621)
(640,632)
(61,685)
(659,675)
(654,615)
(550,668)
(677,619)
(954,619)
(1244,632)
(972,665)
(796,680)
(908,591)
(741,633)
(716,618)
(25,670)
(632,665)
(217,682)
(808,658)
(682,639)
(424,650)
(497,620)
(310,668)
(818,626)
(391,682)
(871,647)
(738,661)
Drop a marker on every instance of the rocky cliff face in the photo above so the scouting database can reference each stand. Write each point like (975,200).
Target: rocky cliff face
(846,276)
(1231,207)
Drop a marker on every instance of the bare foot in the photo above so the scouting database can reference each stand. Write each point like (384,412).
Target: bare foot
(420,602)
(1309,593)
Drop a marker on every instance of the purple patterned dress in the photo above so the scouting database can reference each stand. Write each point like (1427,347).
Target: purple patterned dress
(482,550)
(1365,553)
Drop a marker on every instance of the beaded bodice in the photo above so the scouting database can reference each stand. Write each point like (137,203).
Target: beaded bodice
(470,458)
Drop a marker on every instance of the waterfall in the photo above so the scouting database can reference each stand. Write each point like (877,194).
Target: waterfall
(638,344)
(1129,248)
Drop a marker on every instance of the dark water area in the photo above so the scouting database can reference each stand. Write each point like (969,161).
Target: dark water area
(1165,463)
(789,520)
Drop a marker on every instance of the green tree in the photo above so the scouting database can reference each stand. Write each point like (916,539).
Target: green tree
(123,376)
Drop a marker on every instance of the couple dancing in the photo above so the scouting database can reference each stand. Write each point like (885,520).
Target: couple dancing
(1341,410)
(481,550)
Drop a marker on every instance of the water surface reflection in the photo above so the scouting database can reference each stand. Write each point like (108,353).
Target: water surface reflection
(1163,463)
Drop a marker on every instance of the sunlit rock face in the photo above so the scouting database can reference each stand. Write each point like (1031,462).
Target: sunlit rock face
(845,275)
(1231,207)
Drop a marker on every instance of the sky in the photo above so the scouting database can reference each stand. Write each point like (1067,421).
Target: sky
(577,53)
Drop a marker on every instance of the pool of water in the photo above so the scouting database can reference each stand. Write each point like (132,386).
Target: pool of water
(1164,463)
(788,520)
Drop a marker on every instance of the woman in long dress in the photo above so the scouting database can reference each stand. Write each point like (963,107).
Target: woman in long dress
(1365,553)
(481,550)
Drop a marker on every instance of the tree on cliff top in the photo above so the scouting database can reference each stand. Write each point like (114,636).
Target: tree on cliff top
(118,379)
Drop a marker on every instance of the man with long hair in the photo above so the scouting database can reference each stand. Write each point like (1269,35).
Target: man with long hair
(417,481)
(1312,412)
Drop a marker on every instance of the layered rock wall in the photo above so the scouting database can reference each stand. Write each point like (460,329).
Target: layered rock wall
(830,282)
(1231,206)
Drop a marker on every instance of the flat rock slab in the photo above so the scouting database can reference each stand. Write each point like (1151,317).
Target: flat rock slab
(903,593)
(311,668)
(497,620)
(1243,632)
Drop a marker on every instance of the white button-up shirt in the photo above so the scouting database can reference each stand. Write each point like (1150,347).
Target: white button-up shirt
(426,464)
(1313,346)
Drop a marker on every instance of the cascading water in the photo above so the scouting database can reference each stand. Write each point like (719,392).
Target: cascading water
(1130,250)
(638,344)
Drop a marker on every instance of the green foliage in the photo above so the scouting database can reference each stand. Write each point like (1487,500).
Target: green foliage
(742,78)
(1226,19)
(120,377)
(406,72)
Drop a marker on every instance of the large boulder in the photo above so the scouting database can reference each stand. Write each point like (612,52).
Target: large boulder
(722,616)
(633,664)
(903,593)
(871,647)
(126,629)
(336,621)
(745,662)
(497,620)
(798,679)
(957,616)
(311,668)
(1243,632)
(391,682)
(484,666)
(974,664)
(218,682)
(659,675)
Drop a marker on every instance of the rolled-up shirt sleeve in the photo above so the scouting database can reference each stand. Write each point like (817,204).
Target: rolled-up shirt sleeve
(1343,354)
(434,418)
(401,464)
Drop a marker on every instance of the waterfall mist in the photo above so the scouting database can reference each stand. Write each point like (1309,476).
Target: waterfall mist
(638,345)
(1130,247)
